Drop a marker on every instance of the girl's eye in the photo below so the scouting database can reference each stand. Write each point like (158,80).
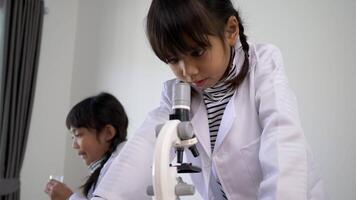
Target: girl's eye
(78,135)
(197,52)
(172,60)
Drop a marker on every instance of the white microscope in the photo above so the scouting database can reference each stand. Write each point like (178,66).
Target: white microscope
(176,133)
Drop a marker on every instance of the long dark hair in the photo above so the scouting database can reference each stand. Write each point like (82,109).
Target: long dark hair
(170,21)
(96,112)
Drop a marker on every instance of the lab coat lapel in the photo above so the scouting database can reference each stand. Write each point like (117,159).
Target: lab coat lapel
(226,121)
(200,123)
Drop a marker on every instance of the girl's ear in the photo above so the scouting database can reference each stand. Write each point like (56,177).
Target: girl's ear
(109,132)
(232,30)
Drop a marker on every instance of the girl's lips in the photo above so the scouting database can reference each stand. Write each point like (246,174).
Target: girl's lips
(81,154)
(200,83)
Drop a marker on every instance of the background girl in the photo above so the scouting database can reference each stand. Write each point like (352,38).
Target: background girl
(99,127)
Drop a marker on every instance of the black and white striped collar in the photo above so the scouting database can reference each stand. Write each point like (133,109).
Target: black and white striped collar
(95,165)
(224,86)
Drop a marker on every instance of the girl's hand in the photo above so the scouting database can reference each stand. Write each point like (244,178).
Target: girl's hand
(57,190)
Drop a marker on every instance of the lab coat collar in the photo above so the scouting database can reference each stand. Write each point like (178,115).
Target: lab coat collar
(227,121)
(199,120)
(201,125)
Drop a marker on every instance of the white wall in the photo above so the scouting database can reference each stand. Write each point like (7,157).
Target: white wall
(46,142)
(317,39)
(84,78)
(111,53)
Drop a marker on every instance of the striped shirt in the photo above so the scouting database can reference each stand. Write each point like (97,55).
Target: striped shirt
(216,98)
(95,165)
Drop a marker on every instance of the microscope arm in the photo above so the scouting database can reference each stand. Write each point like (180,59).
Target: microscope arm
(164,176)
(166,183)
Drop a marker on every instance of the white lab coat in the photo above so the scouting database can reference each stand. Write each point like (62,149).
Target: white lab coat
(260,151)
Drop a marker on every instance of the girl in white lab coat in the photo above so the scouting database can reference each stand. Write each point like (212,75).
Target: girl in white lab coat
(99,127)
(243,112)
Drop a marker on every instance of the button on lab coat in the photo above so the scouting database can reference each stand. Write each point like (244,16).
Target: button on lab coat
(260,151)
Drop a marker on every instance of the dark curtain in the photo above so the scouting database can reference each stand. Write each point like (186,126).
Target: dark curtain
(23,27)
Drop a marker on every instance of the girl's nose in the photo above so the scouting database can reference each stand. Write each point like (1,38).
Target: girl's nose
(189,69)
(75,144)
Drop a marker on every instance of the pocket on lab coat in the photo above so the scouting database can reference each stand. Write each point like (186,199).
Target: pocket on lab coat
(250,158)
